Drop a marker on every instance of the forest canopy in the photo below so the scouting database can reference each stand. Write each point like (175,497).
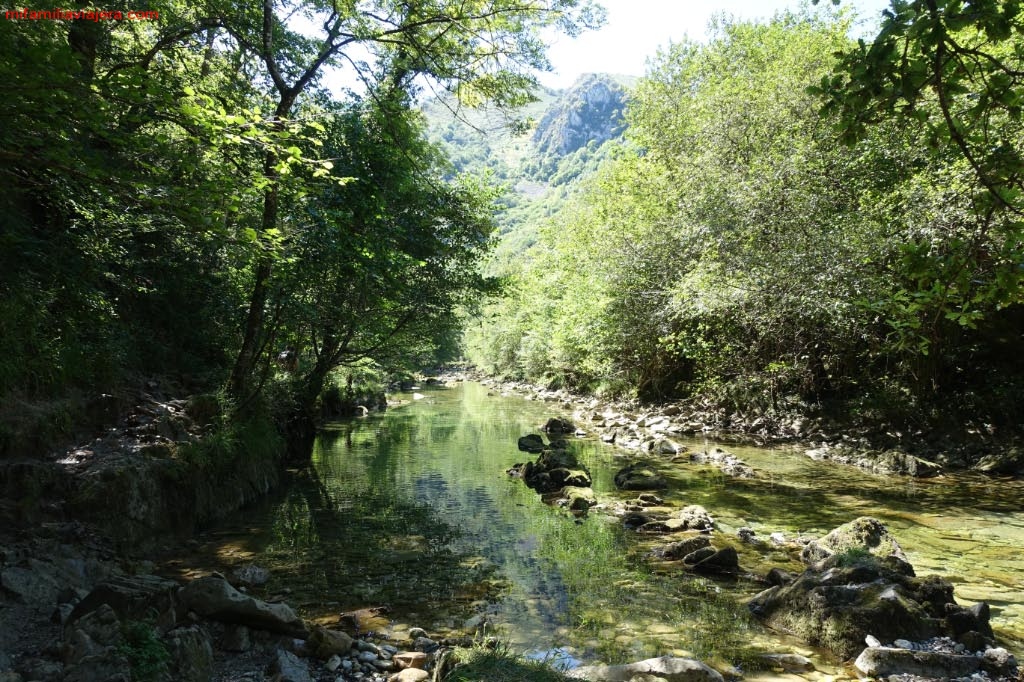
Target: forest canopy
(797,221)
(184,197)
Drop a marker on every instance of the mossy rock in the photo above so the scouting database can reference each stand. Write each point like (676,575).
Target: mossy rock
(837,607)
(640,477)
(865,533)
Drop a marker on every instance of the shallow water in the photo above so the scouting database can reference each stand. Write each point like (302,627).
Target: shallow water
(410,512)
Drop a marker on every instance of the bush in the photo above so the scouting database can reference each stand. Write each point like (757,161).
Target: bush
(145,651)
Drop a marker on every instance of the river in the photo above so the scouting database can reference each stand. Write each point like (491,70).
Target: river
(410,512)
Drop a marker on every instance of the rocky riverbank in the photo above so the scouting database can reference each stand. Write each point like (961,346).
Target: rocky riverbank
(83,616)
(652,429)
(858,589)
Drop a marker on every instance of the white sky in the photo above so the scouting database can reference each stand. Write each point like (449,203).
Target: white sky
(635,29)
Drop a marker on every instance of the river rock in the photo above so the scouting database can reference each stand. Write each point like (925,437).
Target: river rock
(723,562)
(1008,462)
(213,597)
(578,500)
(100,627)
(411,659)
(728,463)
(696,517)
(790,663)
(778,576)
(554,470)
(410,675)
(865,533)
(531,443)
(191,654)
(667,447)
(325,643)
(999,662)
(132,597)
(290,667)
(678,550)
(836,606)
(884,661)
(556,425)
(699,555)
(666,668)
(640,476)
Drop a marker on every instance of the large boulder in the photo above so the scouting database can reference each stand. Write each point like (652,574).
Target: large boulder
(640,476)
(862,535)
(666,668)
(837,604)
(214,598)
(132,597)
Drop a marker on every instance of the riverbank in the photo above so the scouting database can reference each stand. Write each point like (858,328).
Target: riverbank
(644,427)
(359,527)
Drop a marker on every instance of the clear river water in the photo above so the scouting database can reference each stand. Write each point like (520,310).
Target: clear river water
(410,514)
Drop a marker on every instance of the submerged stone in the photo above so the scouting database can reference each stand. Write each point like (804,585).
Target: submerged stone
(640,477)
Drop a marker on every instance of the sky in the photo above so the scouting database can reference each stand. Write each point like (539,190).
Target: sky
(635,29)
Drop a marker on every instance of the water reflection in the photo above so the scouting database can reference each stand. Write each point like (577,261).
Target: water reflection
(410,512)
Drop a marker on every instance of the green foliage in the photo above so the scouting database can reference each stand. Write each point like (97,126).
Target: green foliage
(228,438)
(853,556)
(182,198)
(145,651)
(499,664)
(951,71)
(737,248)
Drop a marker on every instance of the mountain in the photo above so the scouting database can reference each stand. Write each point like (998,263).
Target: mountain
(590,111)
(539,152)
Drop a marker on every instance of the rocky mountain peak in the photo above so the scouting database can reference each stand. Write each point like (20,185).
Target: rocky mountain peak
(591,110)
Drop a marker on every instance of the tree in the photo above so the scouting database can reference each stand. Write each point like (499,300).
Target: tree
(377,266)
(483,50)
(952,70)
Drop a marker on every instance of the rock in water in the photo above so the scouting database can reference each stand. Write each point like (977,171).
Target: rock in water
(790,663)
(213,597)
(639,477)
(531,443)
(840,601)
(723,562)
(556,425)
(326,643)
(865,533)
(665,668)
(696,517)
